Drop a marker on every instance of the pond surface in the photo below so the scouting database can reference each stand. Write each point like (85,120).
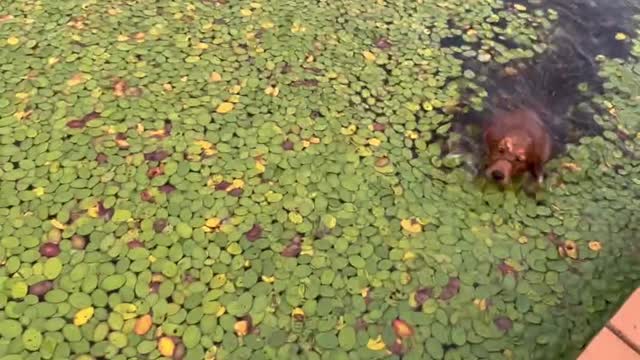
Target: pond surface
(217,179)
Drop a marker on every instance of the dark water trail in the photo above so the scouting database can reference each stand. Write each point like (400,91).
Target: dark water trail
(558,82)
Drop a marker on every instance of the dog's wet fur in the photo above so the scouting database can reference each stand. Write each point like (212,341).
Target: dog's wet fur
(517,143)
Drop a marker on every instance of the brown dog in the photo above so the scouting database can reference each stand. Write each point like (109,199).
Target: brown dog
(517,142)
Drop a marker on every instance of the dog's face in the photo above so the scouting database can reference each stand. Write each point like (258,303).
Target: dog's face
(508,158)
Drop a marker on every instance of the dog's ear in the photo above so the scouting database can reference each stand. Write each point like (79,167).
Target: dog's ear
(492,136)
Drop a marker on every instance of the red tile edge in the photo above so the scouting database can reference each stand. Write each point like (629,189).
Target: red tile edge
(606,345)
(626,322)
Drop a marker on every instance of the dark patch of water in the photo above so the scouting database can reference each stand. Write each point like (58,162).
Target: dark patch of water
(550,82)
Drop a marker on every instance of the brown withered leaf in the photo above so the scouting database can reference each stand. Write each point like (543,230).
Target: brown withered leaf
(105,213)
(77,23)
(222,186)
(147,196)
(119,87)
(451,289)
(422,295)
(5,18)
(506,269)
(503,323)
(167,188)
(121,141)
(255,233)
(292,250)
(155,171)
(383,43)
(102,158)
(157,155)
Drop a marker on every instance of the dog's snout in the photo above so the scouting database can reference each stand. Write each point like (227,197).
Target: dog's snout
(497,175)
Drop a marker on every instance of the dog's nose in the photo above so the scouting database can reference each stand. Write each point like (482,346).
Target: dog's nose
(497,175)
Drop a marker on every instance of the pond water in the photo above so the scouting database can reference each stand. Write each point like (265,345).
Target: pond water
(217,179)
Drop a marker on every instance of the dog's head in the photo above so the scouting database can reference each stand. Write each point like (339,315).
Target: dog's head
(509,157)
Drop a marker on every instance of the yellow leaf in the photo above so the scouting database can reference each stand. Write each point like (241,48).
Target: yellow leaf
(260,166)
(272,91)
(139,129)
(236,184)
(411,226)
(77,79)
(268,279)
(21,115)
(409,255)
(595,246)
(295,218)
(267,25)
(314,140)
(22,95)
(297,312)
(235,89)
(241,328)
(202,46)
(152,258)
(364,292)
(520,7)
(246,12)
(215,180)
(122,38)
(213,222)
(349,130)
(481,304)
(204,144)
(13,41)
(39,191)
(411,134)
(621,36)
(307,250)
(374,142)
(143,325)
(376,344)
(523,240)
(93,211)
(166,346)
(221,311)
(306,143)
(401,328)
(329,221)
(224,108)
(369,56)
(57,224)
(83,316)
(297,27)
(53,60)
(571,167)
(215,77)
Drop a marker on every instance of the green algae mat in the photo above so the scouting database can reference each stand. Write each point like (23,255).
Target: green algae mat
(268,180)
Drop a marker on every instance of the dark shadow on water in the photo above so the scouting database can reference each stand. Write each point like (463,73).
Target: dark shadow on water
(557,81)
